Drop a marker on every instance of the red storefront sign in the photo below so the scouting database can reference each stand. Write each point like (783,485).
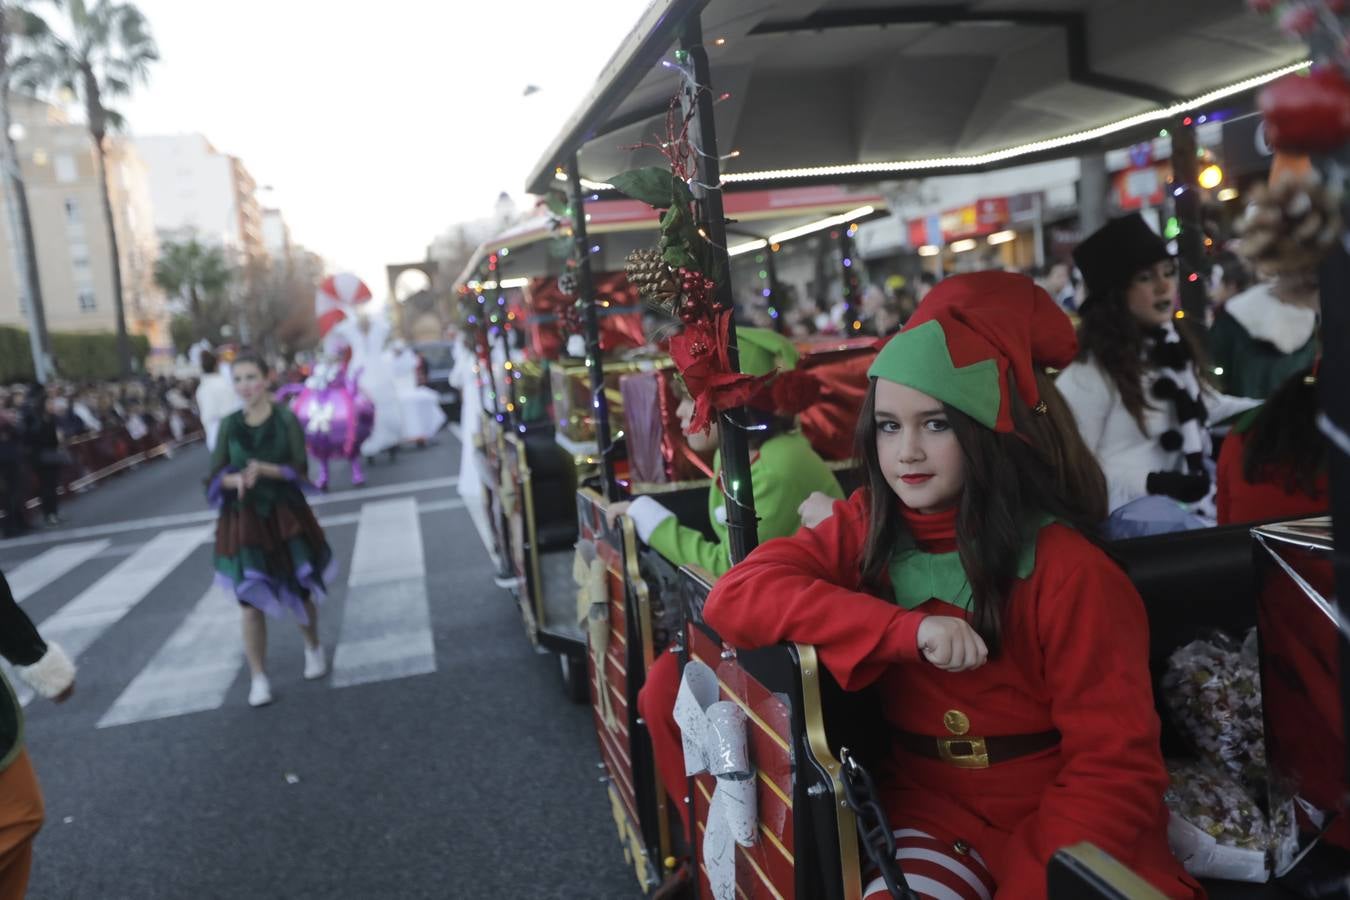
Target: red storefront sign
(984,216)
(1141,186)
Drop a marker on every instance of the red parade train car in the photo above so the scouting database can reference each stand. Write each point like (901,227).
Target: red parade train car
(978,87)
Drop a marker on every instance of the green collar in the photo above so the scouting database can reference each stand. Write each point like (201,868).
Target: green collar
(917,576)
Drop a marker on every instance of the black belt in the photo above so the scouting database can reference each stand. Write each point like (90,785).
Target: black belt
(969,752)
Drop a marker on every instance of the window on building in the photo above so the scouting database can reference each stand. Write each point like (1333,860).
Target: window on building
(64,166)
(87,301)
(73,212)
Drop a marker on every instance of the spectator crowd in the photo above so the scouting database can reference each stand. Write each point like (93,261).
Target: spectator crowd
(57,435)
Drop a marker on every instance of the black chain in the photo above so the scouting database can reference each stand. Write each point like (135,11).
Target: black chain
(874,829)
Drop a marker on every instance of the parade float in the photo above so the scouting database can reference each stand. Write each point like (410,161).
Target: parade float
(822,93)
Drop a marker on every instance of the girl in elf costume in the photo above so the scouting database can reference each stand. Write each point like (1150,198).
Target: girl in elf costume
(1273,464)
(784,470)
(270,550)
(1010,653)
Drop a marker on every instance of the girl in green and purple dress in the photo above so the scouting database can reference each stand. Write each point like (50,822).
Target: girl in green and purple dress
(270,550)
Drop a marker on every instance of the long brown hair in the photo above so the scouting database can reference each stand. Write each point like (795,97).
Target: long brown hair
(1043,468)
(1283,440)
(1109,334)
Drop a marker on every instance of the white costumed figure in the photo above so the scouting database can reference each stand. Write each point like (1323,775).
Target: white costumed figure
(370,368)
(421,406)
(464,378)
(345,321)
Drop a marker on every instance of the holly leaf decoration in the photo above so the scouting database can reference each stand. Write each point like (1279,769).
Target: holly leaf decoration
(678,238)
(655,186)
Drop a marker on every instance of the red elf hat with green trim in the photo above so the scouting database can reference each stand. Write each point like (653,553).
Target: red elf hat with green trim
(969,334)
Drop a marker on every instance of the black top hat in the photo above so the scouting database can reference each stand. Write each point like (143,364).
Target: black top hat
(1110,256)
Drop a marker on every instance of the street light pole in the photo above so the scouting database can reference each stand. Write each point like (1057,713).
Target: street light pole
(30,298)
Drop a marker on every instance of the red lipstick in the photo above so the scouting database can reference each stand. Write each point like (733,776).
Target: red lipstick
(915,479)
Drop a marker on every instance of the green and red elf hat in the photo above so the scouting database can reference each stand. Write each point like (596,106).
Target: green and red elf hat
(970,334)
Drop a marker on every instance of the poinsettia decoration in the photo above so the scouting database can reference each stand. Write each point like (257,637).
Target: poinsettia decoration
(680,277)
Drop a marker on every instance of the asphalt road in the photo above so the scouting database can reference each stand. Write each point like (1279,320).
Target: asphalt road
(439,759)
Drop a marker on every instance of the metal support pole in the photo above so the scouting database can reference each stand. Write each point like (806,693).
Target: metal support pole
(1335,422)
(1093,184)
(1038,230)
(507,395)
(775,297)
(591,320)
(485,322)
(697,99)
(1191,240)
(847,263)
(24,258)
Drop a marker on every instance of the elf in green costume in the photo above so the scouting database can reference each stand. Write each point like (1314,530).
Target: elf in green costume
(784,471)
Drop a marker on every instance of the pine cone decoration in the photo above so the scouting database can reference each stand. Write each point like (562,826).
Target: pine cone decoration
(567,283)
(655,282)
(1289,226)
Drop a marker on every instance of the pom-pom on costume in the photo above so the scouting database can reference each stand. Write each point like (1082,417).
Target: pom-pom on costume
(1051,742)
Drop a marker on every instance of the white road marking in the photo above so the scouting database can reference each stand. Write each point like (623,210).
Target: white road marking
(84,619)
(386,624)
(34,574)
(181,519)
(192,672)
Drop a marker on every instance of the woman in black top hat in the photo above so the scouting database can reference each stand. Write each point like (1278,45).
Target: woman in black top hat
(1136,390)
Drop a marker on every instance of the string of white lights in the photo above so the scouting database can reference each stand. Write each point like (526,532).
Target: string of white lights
(984,159)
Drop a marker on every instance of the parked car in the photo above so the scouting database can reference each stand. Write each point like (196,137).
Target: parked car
(440,360)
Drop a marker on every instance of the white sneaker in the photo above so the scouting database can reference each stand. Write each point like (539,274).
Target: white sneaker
(260,693)
(316,663)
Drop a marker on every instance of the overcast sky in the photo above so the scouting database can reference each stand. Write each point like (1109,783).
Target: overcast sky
(376,129)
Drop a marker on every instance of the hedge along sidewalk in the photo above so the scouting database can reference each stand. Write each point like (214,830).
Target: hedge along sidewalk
(78,355)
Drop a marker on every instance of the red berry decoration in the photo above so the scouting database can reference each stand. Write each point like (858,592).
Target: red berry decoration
(1308,114)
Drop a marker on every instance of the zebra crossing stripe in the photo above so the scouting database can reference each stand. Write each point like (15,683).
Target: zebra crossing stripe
(192,672)
(386,625)
(83,620)
(34,574)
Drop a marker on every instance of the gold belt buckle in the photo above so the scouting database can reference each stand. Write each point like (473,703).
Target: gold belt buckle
(964,752)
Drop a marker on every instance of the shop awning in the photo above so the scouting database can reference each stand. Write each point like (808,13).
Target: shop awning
(753,216)
(863,90)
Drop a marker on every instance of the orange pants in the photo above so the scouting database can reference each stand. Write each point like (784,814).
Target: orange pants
(21,814)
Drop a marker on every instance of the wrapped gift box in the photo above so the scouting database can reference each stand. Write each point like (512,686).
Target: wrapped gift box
(658,452)
(841,365)
(573,410)
(619,313)
(1303,676)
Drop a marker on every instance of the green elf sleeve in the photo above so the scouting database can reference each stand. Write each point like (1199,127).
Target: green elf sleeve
(785,473)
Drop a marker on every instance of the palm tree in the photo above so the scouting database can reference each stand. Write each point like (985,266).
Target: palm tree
(108,50)
(16,20)
(193,272)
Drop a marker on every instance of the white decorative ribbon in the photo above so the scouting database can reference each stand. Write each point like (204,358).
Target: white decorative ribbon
(588,571)
(713,732)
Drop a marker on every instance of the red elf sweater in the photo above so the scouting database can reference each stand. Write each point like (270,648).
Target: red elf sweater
(1074,659)
(1240,500)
